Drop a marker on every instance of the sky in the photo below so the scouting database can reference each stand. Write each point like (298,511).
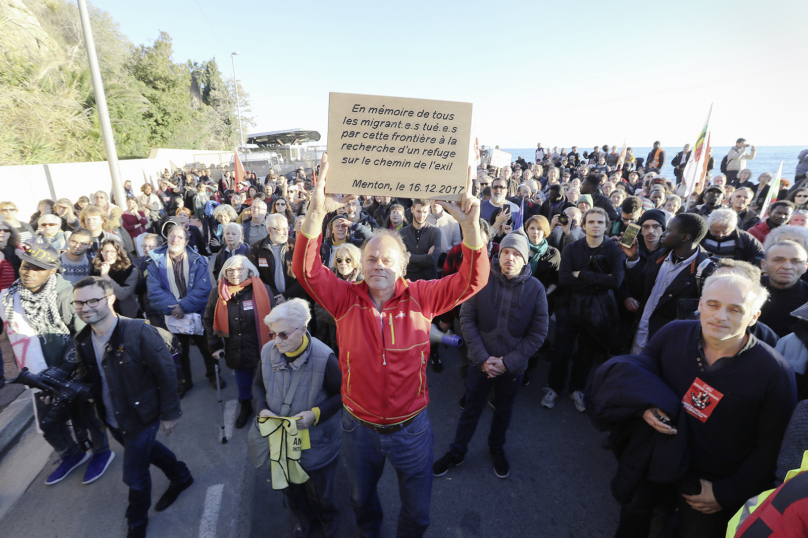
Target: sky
(560,73)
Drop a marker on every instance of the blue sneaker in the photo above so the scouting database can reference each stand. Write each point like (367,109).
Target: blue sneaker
(65,467)
(98,464)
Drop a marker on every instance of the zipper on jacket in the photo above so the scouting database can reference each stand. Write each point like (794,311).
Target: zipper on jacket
(348,360)
(381,322)
(392,333)
(421,374)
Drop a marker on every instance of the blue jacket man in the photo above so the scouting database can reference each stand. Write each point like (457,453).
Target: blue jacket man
(179,285)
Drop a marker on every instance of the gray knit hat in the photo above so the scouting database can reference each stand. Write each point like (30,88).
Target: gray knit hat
(516,240)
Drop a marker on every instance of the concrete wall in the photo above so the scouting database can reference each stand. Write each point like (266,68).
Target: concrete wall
(27,185)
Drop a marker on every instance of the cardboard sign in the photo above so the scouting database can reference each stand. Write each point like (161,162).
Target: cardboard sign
(500,158)
(399,147)
(701,399)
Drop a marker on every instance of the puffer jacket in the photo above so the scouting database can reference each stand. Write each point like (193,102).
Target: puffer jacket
(508,319)
(242,349)
(160,296)
(383,355)
(140,373)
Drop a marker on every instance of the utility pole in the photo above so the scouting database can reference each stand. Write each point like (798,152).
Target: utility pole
(101,106)
(238,100)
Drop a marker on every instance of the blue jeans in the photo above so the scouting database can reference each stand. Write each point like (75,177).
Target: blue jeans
(410,452)
(478,385)
(140,451)
(244,379)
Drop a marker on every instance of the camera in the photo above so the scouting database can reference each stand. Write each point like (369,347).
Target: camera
(563,219)
(63,387)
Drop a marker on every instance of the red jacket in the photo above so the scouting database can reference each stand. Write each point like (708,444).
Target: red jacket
(383,356)
(760,231)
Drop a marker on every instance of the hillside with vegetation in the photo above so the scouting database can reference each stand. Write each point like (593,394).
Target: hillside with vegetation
(47,104)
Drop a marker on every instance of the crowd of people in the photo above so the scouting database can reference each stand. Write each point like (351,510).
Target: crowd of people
(326,308)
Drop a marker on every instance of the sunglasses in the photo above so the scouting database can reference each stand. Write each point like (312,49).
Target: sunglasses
(285,335)
(346,260)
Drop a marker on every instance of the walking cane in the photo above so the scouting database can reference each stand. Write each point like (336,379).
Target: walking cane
(221,407)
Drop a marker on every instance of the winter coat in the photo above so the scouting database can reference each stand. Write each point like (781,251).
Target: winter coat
(422,265)
(139,371)
(242,349)
(747,248)
(198,284)
(737,157)
(223,255)
(262,256)
(507,318)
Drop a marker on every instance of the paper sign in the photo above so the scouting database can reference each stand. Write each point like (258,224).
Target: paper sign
(396,146)
(500,159)
(701,400)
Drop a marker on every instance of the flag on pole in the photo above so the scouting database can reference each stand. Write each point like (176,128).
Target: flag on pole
(693,168)
(239,171)
(706,161)
(774,189)
(477,150)
(622,158)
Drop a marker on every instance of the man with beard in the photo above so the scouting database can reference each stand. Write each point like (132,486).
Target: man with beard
(499,191)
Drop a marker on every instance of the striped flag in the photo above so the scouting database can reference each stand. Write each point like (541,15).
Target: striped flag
(774,189)
(693,166)
(239,171)
(706,161)
(622,158)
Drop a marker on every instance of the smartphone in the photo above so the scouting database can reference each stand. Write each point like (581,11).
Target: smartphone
(631,233)
(660,418)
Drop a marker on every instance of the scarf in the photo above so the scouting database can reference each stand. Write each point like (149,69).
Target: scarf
(261,304)
(41,309)
(536,252)
(172,282)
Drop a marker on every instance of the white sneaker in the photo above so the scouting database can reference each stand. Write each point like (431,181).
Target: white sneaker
(578,398)
(549,398)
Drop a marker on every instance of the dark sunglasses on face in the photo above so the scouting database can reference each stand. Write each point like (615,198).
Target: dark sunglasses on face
(346,260)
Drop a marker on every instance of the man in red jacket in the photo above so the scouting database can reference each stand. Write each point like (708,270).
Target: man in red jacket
(383,332)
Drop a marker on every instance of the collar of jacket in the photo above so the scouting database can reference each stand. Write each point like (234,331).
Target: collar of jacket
(115,340)
(496,272)
(364,291)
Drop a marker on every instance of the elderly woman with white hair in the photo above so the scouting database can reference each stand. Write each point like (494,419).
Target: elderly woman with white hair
(297,363)
(222,216)
(49,228)
(725,240)
(232,235)
(232,321)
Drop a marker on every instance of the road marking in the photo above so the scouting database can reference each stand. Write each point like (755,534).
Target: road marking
(229,418)
(210,516)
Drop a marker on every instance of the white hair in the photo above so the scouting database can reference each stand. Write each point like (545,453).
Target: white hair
(233,226)
(295,310)
(756,295)
(239,261)
(276,220)
(798,234)
(723,216)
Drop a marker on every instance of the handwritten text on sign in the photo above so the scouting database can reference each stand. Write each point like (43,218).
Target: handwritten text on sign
(395,146)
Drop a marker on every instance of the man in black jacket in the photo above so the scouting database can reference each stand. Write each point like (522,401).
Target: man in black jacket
(591,186)
(679,162)
(273,257)
(135,393)
(672,273)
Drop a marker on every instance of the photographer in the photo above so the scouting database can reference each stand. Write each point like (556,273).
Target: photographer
(40,322)
(128,360)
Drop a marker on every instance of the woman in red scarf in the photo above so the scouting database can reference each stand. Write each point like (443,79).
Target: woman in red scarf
(234,323)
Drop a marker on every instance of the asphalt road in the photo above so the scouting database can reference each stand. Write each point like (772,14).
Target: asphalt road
(558,487)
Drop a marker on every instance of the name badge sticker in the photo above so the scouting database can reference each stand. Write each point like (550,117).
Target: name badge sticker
(262,262)
(701,400)
(248,305)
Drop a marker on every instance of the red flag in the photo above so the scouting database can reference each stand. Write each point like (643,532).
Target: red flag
(239,170)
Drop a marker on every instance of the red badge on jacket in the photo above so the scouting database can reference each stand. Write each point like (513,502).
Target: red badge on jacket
(701,399)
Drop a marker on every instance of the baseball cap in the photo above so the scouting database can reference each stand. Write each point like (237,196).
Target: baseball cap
(719,188)
(41,254)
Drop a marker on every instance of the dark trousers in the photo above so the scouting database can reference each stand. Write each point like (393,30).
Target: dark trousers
(478,385)
(59,435)
(567,332)
(732,177)
(635,517)
(314,499)
(139,452)
(185,355)
(462,350)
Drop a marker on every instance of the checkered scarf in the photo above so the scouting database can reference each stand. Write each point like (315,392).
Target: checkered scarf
(41,309)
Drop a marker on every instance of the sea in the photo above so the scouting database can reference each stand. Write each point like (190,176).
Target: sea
(767,158)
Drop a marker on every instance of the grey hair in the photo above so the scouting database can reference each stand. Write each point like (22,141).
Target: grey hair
(295,310)
(798,234)
(277,220)
(785,243)
(756,295)
(231,226)
(105,195)
(723,216)
(240,261)
(227,209)
(353,251)
(718,176)
(395,236)
(674,197)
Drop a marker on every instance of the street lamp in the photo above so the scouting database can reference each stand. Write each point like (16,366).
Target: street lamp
(238,100)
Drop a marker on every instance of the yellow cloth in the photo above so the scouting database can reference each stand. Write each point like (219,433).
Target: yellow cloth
(316,411)
(286,444)
(301,349)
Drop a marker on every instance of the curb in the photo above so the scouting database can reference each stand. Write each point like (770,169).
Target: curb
(22,418)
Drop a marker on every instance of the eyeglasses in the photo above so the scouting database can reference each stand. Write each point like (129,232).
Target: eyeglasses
(498,188)
(801,196)
(76,243)
(279,230)
(92,303)
(8,210)
(285,335)
(49,224)
(5,231)
(346,260)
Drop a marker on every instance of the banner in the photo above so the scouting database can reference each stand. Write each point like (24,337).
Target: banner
(774,189)
(500,159)
(692,168)
(397,146)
